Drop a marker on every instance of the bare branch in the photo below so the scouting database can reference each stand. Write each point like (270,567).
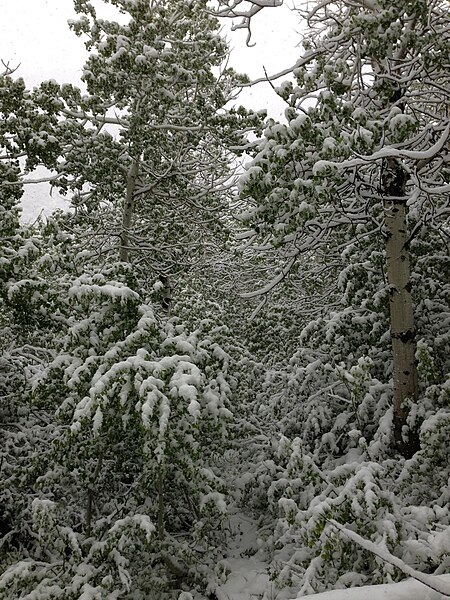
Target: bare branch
(8,70)
(233,9)
(306,59)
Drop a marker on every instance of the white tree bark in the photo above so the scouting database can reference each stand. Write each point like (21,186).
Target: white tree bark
(401,306)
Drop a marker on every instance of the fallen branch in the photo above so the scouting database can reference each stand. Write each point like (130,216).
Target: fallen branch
(428,580)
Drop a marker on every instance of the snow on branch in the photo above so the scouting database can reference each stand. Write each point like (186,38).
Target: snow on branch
(308,57)
(367,4)
(124,122)
(388,152)
(431,581)
(274,282)
(240,8)
(304,60)
(32,181)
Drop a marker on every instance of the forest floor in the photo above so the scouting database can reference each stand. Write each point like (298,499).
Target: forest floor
(245,568)
(245,573)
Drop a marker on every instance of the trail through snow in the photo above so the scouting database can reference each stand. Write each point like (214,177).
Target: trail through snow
(246,574)
(245,567)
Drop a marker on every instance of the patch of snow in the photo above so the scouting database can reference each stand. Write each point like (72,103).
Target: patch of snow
(405,590)
(245,568)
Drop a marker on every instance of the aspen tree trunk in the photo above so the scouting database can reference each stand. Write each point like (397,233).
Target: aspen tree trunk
(128,210)
(401,308)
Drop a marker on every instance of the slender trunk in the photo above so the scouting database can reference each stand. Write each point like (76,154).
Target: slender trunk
(128,210)
(401,307)
(90,498)
(160,488)
(172,562)
(167,293)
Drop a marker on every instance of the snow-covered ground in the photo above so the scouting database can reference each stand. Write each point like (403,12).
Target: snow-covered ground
(245,575)
(405,590)
(249,580)
(246,570)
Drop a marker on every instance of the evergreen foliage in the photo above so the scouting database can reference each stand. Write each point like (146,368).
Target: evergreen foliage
(150,144)
(168,359)
(317,191)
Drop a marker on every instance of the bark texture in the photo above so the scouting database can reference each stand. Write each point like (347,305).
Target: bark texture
(401,306)
(128,210)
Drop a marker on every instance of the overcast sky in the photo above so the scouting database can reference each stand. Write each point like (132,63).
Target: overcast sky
(34,34)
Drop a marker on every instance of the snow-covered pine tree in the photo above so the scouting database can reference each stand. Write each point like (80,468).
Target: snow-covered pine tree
(112,462)
(145,453)
(127,476)
(149,155)
(28,137)
(29,314)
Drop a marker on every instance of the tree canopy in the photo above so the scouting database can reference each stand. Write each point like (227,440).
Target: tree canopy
(212,371)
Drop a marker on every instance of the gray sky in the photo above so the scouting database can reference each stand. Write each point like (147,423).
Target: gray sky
(35,34)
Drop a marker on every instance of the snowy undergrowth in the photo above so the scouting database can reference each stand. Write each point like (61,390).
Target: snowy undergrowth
(122,496)
(316,446)
(399,505)
(292,533)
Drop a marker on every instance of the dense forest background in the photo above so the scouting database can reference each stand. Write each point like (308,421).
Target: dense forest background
(218,381)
